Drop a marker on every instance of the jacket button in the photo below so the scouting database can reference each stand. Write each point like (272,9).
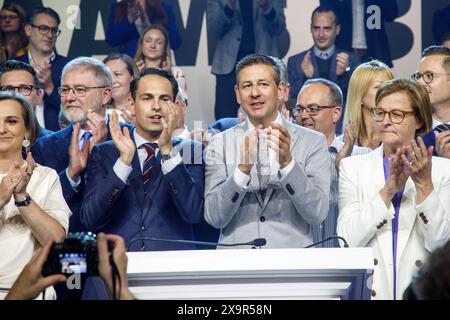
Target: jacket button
(262,219)
(384,221)
(421,215)
(419,263)
(142,227)
(375,262)
(374,293)
(425,221)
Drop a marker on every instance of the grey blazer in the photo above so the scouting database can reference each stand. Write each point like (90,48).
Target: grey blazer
(228,32)
(291,204)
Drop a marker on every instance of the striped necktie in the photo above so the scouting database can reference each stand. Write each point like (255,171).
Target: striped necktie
(148,161)
(442,127)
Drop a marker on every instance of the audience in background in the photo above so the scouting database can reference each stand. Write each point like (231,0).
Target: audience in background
(129,18)
(434,73)
(123,70)
(42,30)
(363,86)
(319,107)
(363,27)
(324,59)
(13,40)
(240,28)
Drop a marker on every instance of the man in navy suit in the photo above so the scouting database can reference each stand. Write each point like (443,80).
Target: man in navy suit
(143,183)
(324,59)
(357,34)
(85,92)
(434,73)
(42,30)
(21,77)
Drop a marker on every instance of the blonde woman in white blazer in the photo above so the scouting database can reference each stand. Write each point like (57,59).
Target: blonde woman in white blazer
(370,184)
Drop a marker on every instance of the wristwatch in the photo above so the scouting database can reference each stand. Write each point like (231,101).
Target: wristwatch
(169,156)
(24,203)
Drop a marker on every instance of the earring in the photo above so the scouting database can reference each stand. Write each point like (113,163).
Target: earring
(26,143)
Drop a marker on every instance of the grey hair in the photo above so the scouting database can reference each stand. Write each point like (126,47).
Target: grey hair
(101,72)
(257,59)
(335,91)
(283,69)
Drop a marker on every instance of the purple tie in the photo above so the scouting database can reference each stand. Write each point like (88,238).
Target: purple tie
(148,162)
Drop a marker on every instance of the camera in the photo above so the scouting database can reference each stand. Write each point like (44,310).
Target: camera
(76,254)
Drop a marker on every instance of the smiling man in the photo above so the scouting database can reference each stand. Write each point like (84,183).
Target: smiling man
(143,183)
(266,177)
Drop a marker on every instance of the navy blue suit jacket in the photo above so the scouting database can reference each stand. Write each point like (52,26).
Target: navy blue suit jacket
(377,41)
(52,103)
(223,124)
(172,204)
(297,78)
(53,151)
(441,24)
(125,35)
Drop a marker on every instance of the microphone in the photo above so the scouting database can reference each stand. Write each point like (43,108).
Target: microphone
(328,239)
(258,242)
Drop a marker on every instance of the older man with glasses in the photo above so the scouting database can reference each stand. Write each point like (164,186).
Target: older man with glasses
(319,107)
(42,30)
(434,73)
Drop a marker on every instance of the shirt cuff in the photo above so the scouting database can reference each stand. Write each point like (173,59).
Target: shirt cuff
(122,170)
(74,184)
(285,171)
(169,165)
(241,179)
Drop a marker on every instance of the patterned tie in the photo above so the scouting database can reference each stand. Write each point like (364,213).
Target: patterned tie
(148,162)
(263,163)
(323,55)
(442,127)
(84,138)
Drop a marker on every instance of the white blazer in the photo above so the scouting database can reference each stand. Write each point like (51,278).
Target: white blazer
(365,221)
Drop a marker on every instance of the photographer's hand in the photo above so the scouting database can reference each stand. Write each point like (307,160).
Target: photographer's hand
(31,282)
(121,261)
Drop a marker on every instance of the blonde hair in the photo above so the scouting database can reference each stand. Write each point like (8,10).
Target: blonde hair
(360,82)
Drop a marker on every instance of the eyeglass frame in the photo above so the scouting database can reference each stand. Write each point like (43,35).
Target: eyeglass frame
(416,76)
(14,89)
(55,31)
(86,89)
(302,109)
(405,113)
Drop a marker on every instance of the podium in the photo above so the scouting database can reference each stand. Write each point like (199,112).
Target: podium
(323,273)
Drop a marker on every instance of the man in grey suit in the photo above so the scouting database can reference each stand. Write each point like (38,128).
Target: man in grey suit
(240,28)
(266,177)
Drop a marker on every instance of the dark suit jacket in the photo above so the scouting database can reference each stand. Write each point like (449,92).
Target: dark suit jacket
(441,24)
(297,78)
(430,140)
(52,103)
(377,42)
(44,132)
(172,204)
(53,151)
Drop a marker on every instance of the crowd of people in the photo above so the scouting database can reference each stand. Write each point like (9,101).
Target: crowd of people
(102,146)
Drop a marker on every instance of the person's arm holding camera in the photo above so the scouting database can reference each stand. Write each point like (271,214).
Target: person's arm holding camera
(31,282)
(120,258)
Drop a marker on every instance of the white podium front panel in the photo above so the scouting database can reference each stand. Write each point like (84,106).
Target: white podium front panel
(337,273)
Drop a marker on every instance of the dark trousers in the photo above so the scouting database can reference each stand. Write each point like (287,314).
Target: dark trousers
(226,105)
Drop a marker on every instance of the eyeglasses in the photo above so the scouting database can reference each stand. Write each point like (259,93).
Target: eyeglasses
(44,30)
(427,76)
(4,18)
(396,116)
(79,91)
(311,110)
(23,90)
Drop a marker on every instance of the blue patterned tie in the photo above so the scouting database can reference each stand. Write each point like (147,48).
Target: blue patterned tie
(148,162)
(442,127)
(84,138)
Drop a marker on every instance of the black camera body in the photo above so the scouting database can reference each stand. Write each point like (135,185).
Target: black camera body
(76,254)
